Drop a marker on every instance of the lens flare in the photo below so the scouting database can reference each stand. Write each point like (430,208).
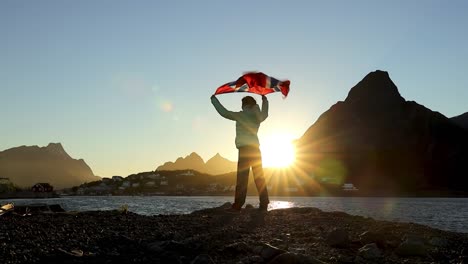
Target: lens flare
(166,106)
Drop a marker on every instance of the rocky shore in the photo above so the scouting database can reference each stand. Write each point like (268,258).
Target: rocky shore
(295,235)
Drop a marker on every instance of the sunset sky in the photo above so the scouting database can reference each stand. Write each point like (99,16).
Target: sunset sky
(126,85)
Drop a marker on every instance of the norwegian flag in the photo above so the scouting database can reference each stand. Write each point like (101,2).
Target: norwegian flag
(255,82)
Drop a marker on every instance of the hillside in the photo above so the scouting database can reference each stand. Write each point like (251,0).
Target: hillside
(461,120)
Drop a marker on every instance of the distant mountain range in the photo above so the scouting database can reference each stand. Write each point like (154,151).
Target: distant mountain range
(27,165)
(382,143)
(216,165)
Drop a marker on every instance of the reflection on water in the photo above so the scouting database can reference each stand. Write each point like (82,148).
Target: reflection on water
(443,213)
(280,205)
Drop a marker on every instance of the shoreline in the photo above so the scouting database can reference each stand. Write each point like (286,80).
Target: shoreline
(297,235)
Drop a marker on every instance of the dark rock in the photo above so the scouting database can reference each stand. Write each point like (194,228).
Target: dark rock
(292,258)
(338,237)
(268,252)
(379,238)
(438,242)
(369,252)
(238,247)
(202,259)
(412,246)
(56,208)
(249,206)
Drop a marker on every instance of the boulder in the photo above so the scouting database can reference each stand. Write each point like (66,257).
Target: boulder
(372,237)
(370,252)
(412,246)
(268,252)
(338,237)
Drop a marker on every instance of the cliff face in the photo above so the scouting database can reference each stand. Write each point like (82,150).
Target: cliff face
(216,165)
(379,141)
(27,165)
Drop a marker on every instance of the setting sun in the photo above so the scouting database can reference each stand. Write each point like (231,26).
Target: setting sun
(277,151)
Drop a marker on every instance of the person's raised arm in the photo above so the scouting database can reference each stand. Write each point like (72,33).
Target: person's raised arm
(264,111)
(221,110)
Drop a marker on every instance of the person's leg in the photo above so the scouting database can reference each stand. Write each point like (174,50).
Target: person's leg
(259,178)
(243,168)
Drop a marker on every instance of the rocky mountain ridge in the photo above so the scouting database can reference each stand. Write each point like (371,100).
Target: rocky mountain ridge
(215,165)
(27,165)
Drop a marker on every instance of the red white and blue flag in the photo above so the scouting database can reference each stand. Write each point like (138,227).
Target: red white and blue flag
(255,82)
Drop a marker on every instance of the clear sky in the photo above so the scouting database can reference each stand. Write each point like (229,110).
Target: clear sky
(126,85)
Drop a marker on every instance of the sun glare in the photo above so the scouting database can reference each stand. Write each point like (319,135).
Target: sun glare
(277,151)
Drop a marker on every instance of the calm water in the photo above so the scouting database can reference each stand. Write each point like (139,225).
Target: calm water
(443,213)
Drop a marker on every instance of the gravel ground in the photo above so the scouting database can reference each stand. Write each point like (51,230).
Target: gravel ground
(294,235)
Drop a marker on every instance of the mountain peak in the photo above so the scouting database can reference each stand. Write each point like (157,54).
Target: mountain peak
(57,148)
(376,88)
(216,165)
(194,156)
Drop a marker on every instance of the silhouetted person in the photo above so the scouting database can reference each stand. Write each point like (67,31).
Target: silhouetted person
(247,123)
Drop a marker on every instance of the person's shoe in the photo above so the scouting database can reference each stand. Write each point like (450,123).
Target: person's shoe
(232,210)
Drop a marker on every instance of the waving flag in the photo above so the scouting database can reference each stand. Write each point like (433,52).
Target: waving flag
(255,82)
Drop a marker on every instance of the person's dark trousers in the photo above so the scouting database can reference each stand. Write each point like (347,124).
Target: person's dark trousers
(250,156)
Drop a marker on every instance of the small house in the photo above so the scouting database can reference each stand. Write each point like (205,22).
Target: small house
(42,187)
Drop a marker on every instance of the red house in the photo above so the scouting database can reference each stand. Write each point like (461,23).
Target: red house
(42,187)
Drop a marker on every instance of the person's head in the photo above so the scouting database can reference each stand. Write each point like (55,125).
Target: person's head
(248,101)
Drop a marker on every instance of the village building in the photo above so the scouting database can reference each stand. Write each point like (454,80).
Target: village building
(164,182)
(150,184)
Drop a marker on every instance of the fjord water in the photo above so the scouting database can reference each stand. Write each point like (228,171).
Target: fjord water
(443,213)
